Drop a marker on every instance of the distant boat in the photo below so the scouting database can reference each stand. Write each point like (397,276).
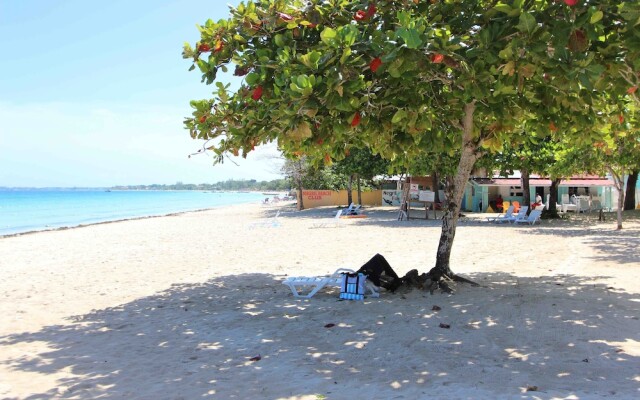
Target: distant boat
(107,190)
(270,194)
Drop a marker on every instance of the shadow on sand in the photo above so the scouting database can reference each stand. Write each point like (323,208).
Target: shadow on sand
(560,333)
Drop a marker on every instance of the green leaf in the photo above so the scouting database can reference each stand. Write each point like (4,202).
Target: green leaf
(252,78)
(311,60)
(597,16)
(505,8)
(328,36)
(398,116)
(527,23)
(411,37)
(345,55)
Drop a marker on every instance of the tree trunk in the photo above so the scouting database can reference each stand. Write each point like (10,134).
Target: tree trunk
(618,182)
(553,197)
(630,196)
(359,189)
(349,188)
(300,205)
(526,191)
(454,190)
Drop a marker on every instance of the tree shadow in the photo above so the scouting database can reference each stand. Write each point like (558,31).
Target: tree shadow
(560,333)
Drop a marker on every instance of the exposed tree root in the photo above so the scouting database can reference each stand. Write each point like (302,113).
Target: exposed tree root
(433,281)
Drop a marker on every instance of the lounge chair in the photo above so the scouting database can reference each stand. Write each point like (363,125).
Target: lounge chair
(352,210)
(318,282)
(506,217)
(272,222)
(327,222)
(521,215)
(531,219)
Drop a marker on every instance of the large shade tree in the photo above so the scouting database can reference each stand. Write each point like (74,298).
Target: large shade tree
(402,77)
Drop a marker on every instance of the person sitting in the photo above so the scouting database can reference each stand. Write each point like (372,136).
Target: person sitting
(538,202)
(380,273)
(499,207)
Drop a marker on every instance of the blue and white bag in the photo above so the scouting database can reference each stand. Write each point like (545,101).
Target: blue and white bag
(352,286)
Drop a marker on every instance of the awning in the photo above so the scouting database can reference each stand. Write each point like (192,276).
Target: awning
(578,182)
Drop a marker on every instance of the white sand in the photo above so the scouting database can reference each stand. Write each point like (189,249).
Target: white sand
(175,307)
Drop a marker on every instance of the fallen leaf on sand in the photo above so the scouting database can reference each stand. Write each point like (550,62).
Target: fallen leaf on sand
(445,326)
(532,388)
(329,325)
(256,358)
(436,308)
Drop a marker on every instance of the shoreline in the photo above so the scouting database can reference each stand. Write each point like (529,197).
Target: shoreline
(80,225)
(63,228)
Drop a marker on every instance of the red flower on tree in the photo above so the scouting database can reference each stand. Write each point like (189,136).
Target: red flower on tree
(632,89)
(375,64)
(437,58)
(355,121)
(257,93)
(204,47)
(571,3)
(202,119)
(371,10)
(360,15)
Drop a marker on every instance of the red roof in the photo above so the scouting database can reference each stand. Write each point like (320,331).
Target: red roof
(580,182)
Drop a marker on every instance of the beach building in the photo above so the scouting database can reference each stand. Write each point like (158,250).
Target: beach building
(481,192)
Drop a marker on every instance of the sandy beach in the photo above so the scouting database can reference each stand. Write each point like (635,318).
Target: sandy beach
(191,306)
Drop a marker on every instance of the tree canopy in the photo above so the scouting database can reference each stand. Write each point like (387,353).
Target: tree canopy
(406,78)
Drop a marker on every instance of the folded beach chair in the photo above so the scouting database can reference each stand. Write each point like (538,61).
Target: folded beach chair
(531,219)
(506,217)
(315,283)
(327,222)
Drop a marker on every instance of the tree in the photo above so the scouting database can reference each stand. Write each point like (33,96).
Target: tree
(360,164)
(401,77)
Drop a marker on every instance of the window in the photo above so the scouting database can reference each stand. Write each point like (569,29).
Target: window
(515,191)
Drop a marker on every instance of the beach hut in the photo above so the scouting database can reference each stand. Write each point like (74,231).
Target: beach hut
(481,192)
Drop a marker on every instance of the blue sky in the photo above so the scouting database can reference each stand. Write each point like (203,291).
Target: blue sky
(93,93)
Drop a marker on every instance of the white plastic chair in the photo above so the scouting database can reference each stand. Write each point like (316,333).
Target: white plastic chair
(297,283)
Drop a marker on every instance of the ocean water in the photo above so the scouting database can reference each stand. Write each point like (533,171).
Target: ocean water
(35,210)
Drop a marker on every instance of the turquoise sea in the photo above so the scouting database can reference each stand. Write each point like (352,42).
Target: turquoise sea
(42,209)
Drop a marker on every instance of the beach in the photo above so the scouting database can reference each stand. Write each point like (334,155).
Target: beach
(191,306)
